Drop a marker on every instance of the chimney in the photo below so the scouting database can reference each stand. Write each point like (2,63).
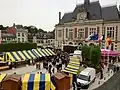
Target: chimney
(59,16)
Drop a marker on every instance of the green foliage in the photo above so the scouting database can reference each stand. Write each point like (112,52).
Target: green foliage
(16,47)
(91,55)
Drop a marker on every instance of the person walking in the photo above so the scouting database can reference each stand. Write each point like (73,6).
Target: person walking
(53,70)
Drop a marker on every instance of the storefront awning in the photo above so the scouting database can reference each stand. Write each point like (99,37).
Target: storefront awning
(51,52)
(2,76)
(39,50)
(37,82)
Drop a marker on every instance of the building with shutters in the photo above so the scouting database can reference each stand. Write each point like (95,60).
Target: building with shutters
(86,19)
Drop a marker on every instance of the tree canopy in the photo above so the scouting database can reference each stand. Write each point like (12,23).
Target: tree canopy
(91,55)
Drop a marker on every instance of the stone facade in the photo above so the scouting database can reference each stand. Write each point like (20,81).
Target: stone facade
(76,31)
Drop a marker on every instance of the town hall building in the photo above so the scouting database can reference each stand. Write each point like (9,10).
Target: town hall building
(88,18)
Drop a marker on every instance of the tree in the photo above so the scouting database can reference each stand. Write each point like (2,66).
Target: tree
(91,55)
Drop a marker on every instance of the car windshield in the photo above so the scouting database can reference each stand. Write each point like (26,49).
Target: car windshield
(83,77)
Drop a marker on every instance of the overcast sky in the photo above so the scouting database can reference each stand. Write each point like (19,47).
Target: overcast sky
(40,13)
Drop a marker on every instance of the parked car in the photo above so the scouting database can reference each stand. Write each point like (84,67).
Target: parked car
(86,77)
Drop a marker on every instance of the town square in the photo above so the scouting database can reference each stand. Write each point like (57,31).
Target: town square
(60,45)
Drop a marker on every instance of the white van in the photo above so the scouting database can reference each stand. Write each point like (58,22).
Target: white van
(86,77)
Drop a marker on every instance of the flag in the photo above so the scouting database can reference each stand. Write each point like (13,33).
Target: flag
(92,37)
(108,42)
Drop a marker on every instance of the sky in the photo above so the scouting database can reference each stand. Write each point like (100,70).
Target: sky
(40,13)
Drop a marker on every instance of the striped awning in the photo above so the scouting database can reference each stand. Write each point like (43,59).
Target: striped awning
(37,82)
(73,66)
(43,50)
(22,57)
(70,70)
(13,57)
(37,52)
(2,76)
(48,52)
(51,52)
(40,51)
(31,54)
(26,54)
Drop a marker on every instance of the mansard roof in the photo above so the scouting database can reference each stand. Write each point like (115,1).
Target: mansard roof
(94,12)
(110,13)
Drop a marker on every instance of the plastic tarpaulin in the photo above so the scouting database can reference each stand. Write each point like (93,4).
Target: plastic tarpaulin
(39,50)
(2,76)
(73,66)
(51,51)
(21,55)
(37,82)
(43,50)
(26,54)
(13,57)
(18,56)
(48,52)
(72,69)
(31,54)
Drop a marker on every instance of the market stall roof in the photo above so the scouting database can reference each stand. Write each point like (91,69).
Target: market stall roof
(48,52)
(21,55)
(51,52)
(2,76)
(14,57)
(39,50)
(31,54)
(43,50)
(37,82)
(106,52)
(73,66)
(26,54)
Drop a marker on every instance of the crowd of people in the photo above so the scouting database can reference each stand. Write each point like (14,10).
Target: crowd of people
(57,61)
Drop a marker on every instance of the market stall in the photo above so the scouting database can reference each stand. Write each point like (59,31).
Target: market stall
(72,69)
(2,76)
(37,82)
(62,81)
(109,56)
(51,52)
(12,82)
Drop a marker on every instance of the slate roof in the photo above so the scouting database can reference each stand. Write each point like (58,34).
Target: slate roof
(94,12)
(66,18)
(110,13)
